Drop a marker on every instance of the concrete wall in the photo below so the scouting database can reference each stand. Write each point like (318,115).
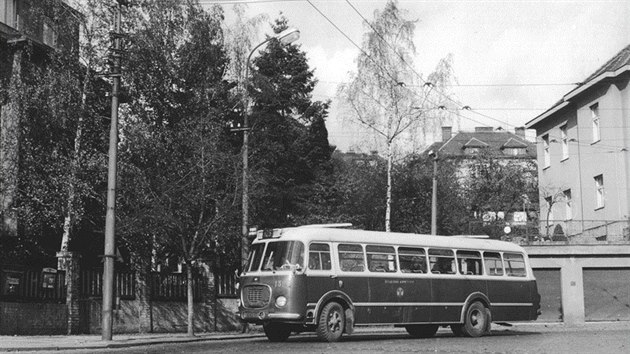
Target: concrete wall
(572,261)
(32,318)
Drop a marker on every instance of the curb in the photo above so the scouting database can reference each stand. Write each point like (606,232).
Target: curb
(138,343)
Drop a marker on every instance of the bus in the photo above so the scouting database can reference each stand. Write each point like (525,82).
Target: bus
(328,279)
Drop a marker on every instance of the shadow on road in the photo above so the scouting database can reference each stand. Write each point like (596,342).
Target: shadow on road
(359,337)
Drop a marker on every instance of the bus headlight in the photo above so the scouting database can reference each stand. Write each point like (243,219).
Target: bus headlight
(281,301)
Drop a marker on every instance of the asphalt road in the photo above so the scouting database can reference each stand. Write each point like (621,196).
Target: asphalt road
(504,340)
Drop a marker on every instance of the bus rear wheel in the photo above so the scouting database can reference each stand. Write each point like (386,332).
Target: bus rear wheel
(422,331)
(476,321)
(331,322)
(277,332)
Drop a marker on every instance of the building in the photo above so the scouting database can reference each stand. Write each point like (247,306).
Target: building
(29,31)
(463,147)
(583,143)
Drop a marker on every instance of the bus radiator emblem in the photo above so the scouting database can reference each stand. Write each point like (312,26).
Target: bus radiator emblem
(400,292)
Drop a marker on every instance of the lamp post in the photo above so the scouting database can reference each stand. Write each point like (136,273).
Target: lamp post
(287,36)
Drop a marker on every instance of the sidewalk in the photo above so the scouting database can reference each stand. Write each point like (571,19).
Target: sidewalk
(94,342)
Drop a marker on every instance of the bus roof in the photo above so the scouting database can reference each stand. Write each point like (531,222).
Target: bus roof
(326,234)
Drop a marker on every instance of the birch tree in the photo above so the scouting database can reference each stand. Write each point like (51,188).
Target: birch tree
(386,95)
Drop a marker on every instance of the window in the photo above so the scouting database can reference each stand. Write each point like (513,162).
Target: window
(549,202)
(472,150)
(599,191)
(319,257)
(469,262)
(568,211)
(565,142)
(8,13)
(255,255)
(412,260)
(514,151)
(595,119)
(546,155)
(514,264)
(442,261)
(493,264)
(351,258)
(283,255)
(381,258)
(49,35)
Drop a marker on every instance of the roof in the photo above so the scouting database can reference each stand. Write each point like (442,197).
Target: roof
(324,234)
(614,67)
(495,141)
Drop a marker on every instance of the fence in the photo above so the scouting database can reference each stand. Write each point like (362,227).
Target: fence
(49,285)
(557,231)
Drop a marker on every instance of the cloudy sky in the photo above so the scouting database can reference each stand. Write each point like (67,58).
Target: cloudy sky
(512,59)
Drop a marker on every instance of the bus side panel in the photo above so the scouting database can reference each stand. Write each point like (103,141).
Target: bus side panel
(510,299)
(317,286)
(406,291)
(449,295)
(357,288)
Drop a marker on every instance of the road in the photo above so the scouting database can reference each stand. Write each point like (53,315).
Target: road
(520,339)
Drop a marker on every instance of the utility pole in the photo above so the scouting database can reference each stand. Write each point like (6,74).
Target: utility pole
(110,217)
(434,194)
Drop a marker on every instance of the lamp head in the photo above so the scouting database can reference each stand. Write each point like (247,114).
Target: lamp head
(289,35)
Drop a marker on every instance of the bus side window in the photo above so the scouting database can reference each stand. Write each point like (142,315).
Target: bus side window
(412,260)
(319,257)
(469,262)
(351,258)
(514,264)
(442,261)
(493,263)
(381,258)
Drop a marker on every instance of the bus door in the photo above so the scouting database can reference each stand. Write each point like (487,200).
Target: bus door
(413,289)
(353,279)
(447,293)
(320,273)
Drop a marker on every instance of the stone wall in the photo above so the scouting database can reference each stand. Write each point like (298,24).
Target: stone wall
(20,318)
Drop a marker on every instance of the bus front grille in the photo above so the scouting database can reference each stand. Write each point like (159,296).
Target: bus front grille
(256,296)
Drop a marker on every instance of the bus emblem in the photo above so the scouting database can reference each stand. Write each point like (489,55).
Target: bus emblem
(400,292)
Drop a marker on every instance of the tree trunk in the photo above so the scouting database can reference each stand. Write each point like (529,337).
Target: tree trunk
(388,209)
(10,116)
(189,283)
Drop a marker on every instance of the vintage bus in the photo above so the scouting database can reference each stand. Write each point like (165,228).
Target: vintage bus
(329,279)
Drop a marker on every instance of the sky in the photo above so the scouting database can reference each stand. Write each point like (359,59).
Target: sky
(512,59)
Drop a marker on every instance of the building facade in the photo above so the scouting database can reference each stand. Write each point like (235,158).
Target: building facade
(583,150)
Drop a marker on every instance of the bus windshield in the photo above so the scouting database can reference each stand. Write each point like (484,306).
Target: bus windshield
(283,255)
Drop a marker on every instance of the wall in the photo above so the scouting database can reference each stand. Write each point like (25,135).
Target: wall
(32,318)
(577,263)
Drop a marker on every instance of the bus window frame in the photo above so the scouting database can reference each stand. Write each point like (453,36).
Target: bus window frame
(506,268)
(393,253)
(338,258)
(330,253)
(479,257)
(424,255)
(489,274)
(439,257)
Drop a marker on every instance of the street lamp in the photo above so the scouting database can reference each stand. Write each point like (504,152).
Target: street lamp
(287,36)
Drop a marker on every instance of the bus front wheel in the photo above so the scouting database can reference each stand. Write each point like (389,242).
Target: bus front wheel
(277,332)
(477,320)
(331,322)
(422,331)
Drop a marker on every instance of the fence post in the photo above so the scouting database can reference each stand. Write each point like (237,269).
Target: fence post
(69,262)
(209,295)
(143,298)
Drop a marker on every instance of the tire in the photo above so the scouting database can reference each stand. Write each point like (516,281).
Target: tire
(476,321)
(277,332)
(457,330)
(331,322)
(422,331)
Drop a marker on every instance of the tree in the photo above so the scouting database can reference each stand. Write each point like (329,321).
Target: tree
(180,177)
(382,94)
(289,138)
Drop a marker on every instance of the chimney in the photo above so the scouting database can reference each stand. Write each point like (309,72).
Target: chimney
(483,130)
(520,131)
(447,133)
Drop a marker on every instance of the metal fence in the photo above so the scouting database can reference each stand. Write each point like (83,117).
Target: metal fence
(556,231)
(22,284)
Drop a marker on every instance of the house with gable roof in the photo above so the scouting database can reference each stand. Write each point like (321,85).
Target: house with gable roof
(583,155)
(463,148)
